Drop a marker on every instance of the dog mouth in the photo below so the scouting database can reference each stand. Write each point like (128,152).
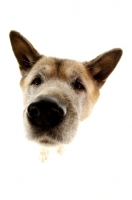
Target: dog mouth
(45,141)
(48,141)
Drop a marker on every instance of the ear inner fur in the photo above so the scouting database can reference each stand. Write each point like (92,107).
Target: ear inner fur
(102,66)
(24,51)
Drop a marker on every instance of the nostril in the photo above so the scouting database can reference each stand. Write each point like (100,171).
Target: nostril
(57,112)
(53,112)
(33,111)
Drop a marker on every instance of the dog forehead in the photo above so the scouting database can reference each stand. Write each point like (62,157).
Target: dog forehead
(62,68)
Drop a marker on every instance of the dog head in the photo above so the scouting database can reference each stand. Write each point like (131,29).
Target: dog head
(58,93)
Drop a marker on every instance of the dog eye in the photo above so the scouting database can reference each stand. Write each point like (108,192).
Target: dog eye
(78,85)
(36,81)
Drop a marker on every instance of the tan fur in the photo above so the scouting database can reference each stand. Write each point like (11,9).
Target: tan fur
(58,77)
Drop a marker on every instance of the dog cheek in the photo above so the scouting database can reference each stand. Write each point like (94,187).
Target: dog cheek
(29,130)
(29,95)
(69,128)
(27,126)
(86,106)
(72,123)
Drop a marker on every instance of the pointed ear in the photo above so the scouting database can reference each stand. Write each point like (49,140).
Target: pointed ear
(25,53)
(102,66)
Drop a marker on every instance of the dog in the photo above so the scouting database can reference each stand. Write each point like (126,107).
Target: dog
(58,93)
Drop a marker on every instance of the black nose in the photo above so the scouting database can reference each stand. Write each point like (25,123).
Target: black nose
(46,112)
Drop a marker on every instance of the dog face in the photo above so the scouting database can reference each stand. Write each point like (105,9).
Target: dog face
(58,93)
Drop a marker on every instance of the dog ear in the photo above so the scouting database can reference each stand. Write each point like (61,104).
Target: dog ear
(25,53)
(102,66)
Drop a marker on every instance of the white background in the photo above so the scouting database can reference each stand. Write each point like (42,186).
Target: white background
(99,164)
